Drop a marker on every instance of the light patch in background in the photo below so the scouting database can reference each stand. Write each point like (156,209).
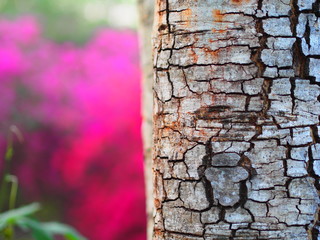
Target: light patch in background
(95,11)
(123,15)
(118,15)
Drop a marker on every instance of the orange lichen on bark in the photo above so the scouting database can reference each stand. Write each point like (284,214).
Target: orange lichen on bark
(239,2)
(218,30)
(213,54)
(186,16)
(157,203)
(217,15)
(193,55)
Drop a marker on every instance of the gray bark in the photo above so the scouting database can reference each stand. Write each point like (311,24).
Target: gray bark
(236,119)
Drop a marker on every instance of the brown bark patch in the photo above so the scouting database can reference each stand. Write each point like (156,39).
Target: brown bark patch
(217,15)
(239,2)
(211,54)
(157,203)
(186,16)
(193,56)
(218,30)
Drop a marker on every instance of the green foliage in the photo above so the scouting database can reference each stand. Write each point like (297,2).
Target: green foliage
(65,20)
(22,217)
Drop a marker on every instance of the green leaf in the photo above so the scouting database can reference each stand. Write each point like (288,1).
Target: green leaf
(62,229)
(11,216)
(9,154)
(37,229)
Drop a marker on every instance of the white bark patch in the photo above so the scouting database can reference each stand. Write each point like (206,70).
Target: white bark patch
(239,215)
(315,150)
(280,87)
(193,196)
(260,195)
(303,188)
(172,189)
(280,43)
(296,168)
(274,132)
(305,91)
(220,229)
(275,8)
(271,72)
(190,105)
(190,56)
(301,136)
(305,4)
(287,213)
(193,160)
(222,86)
(257,208)
(314,68)
(310,44)
(300,153)
(165,92)
(180,220)
(269,26)
(255,104)
(279,58)
(225,183)
(253,87)
(286,73)
(211,216)
(225,159)
(180,88)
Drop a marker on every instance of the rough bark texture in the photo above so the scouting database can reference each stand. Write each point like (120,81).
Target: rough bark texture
(236,119)
(146,12)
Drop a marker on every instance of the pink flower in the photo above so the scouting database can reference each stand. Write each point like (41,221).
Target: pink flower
(79,110)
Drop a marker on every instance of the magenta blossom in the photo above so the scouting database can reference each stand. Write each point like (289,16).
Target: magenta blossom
(79,111)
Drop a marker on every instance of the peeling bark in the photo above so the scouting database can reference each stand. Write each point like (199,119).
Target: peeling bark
(236,119)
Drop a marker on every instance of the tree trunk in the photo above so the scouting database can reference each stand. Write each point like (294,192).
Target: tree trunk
(236,119)
(146,12)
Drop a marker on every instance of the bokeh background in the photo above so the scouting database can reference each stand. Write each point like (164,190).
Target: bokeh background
(70,82)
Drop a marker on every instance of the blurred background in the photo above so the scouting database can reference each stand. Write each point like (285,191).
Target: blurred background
(70,82)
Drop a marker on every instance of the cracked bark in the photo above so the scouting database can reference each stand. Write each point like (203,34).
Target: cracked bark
(236,119)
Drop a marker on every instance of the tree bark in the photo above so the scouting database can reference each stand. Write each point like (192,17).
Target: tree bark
(146,13)
(236,119)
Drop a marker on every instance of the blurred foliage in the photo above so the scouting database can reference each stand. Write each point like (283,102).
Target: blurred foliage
(21,217)
(73,20)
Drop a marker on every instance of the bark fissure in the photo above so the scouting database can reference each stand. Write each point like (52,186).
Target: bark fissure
(237,120)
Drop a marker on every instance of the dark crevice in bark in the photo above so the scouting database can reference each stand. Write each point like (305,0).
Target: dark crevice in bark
(310,169)
(256,58)
(316,8)
(300,61)
(222,214)
(311,173)
(266,89)
(293,87)
(315,133)
(227,116)
(185,234)
(243,194)
(167,16)
(307,34)
(301,68)
(206,163)
(233,234)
